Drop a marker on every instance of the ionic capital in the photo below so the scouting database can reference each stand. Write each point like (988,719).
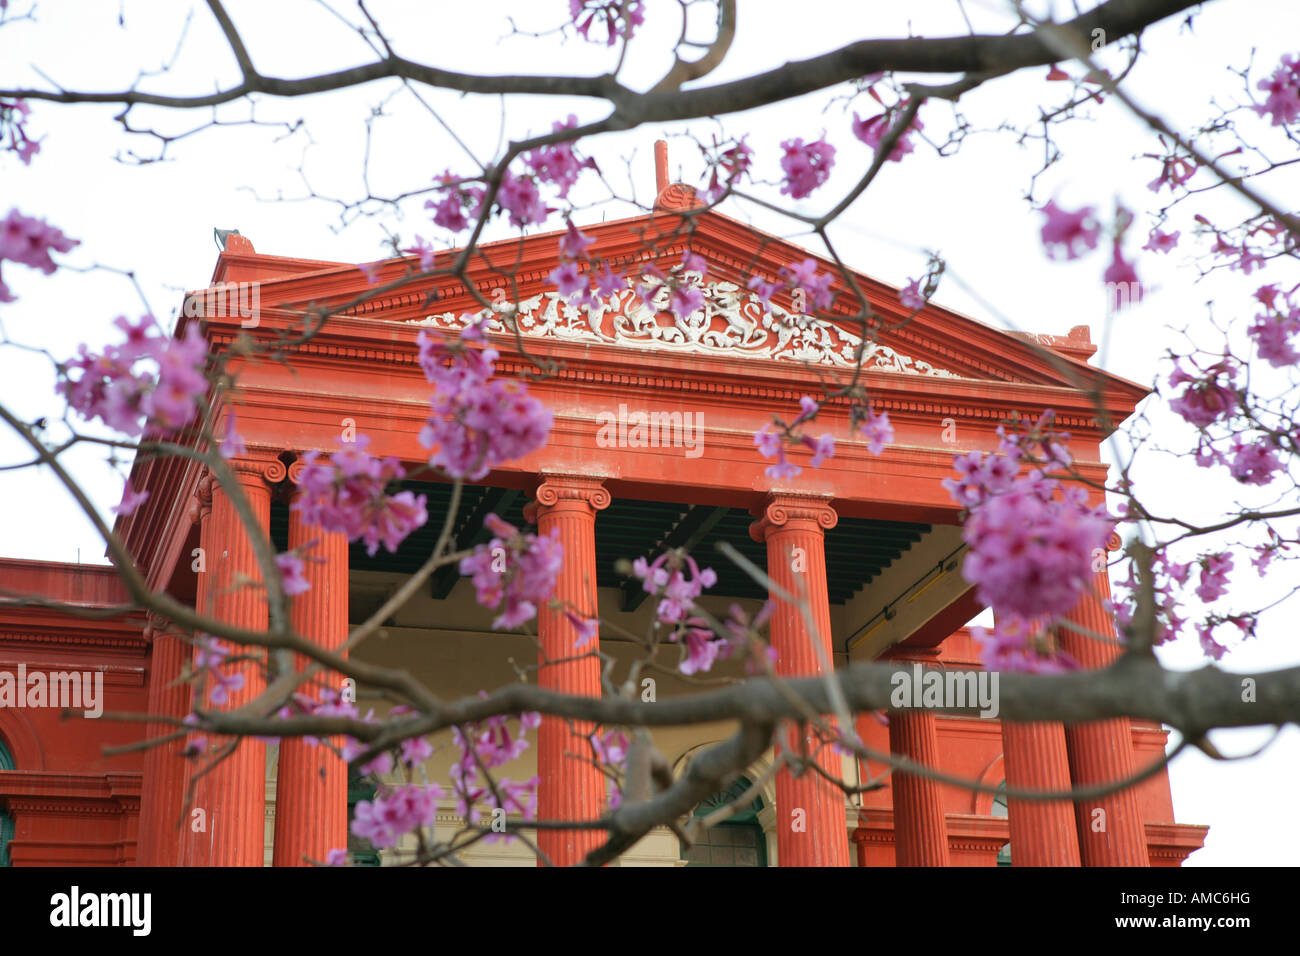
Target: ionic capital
(568,491)
(782,508)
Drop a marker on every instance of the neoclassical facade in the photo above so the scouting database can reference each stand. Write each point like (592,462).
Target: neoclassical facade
(652,448)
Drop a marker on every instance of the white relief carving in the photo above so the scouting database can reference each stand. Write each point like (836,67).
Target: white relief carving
(733,322)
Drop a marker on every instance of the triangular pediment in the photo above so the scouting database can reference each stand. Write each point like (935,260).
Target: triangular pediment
(935,343)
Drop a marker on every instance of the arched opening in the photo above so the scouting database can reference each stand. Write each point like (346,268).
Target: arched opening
(739,840)
(6,821)
(1000,810)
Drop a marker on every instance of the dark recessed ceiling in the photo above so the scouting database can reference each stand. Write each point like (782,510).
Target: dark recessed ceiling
(857,549)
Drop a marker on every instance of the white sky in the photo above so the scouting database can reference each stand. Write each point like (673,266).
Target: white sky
(158,219)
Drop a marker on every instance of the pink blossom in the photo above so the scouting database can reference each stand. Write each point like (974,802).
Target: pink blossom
(619,17)
(232,444)
(763,289)
(668,577)
(817,285)
(1206,399)
(806,166)
(771,444)
(210,659)
(349,494)
(396,811)
(557,164)
(1283,89)
(1214,577)
(29,242)
(1069,234)
(685,300)
(449,212)
(808,407)
(130,501)
(13,115)
(1031,541)
(568,279)
(116,389)
(519,196)
(703,648)
(1120,272)
(291,572)
(476,421)
(1161,241)
(514,571)
(1253,463)
(732,163)
(424,249)
(1174,171)
(371,270)
(609,282)
(1012,646)
(910,296)
(878,431)
(874,129)
(1274,337)
(484,747)
(574,243)
(694,262)
(415,751)
(1267,295)
(822,447)
(588,629)
(1212,648)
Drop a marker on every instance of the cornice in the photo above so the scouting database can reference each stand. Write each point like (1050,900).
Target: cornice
(972,400)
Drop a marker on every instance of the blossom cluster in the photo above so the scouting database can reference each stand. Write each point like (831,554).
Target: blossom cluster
(771,441)
(805,166)
(395,811)
(1283,89)
(1211,396)
(519,194)
(476,421)
(29,242)
(610,749)
(667,578)
(149,378)
(873,130)
(349,493)
(1032,540)
(678,292)
(618,17)
(515,571)
(210,662)
(1275,330)
(726,169)
(484,747)
(13,124)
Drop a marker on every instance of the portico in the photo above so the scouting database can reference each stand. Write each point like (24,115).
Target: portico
(873,543)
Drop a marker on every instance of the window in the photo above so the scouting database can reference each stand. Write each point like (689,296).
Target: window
(6,822)
(739,841)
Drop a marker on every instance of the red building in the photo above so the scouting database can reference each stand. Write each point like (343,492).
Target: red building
(652,447)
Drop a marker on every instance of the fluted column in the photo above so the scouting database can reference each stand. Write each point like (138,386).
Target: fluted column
(162,787)
(311,790)
(920,822)
(571,788)
(811,819)
(1034,758)
(232,795)
(1110,828)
